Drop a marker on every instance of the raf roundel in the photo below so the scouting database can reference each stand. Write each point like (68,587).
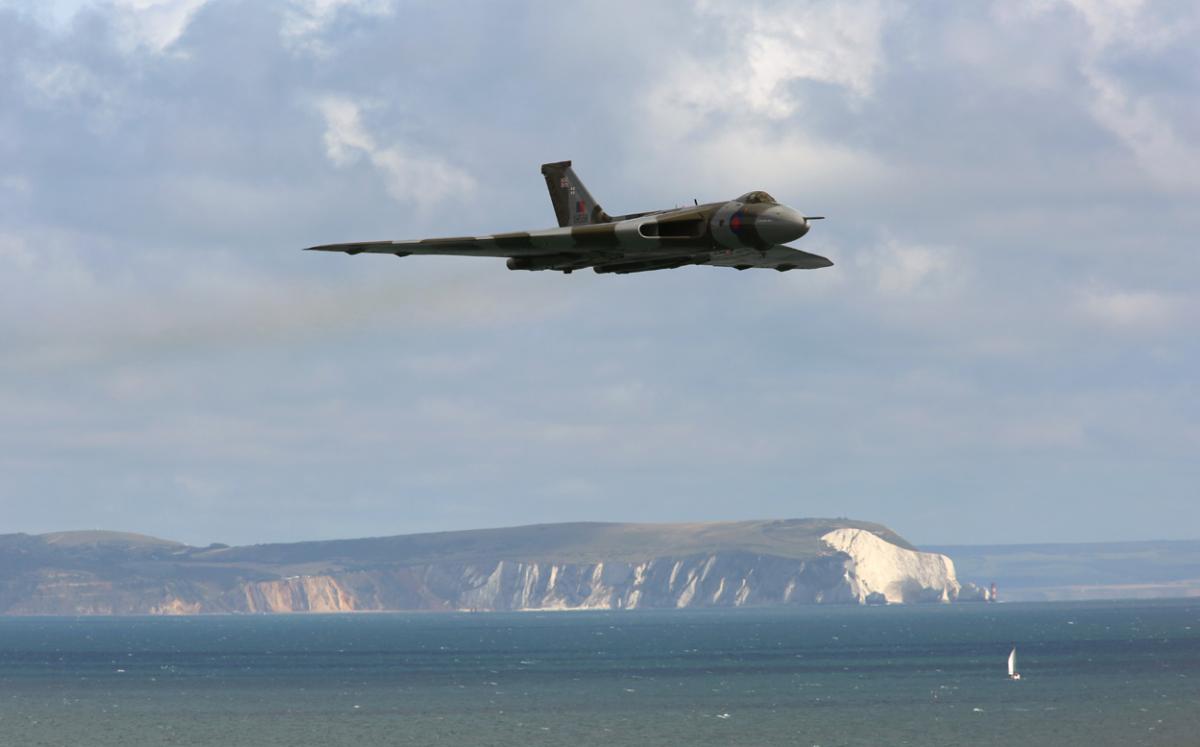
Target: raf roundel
(735,222)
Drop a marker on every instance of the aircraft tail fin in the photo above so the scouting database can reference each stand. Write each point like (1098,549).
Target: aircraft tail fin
(573,204)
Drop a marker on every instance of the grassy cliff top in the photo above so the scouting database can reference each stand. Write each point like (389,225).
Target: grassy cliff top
(102,537)
(582,542)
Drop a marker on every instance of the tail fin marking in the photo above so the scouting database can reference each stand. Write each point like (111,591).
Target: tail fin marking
(573,204)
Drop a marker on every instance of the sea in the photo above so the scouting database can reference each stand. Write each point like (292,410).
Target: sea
(1093,673)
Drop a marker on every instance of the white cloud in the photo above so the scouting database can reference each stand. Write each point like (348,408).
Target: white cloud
(154,24)
(441,366)
(1116,20)
(1125,310)
(79,315)
(14,253)
(15,184)
(59,85)
(61,81)
(626,394)
(304,19)
(132,384)
(1037,431)
(55,14)
(571,488)
(902,269)
(731,111)
(1126,27)
(156,321)
(791,161)
(771,48)
(142,24)
(422,181)
(1150,136)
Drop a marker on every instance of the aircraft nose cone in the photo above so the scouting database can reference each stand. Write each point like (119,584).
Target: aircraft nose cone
(780,225)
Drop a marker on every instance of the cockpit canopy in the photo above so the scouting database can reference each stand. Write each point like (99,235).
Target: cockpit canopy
(757,197)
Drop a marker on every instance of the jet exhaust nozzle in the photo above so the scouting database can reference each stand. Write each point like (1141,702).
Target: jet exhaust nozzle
(520,263)
(546,262)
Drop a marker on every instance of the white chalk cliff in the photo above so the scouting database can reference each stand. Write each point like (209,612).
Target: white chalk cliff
(860,568)
(560,566)
(899,574)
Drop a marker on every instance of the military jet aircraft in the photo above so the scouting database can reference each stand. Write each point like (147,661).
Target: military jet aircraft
(742,233)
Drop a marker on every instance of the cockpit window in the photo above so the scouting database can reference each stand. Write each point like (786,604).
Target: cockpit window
(757,197)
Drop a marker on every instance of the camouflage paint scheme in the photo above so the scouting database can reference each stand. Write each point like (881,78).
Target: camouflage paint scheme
(742,233)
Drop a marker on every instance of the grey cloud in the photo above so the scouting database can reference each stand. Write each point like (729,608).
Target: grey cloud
(1007,323)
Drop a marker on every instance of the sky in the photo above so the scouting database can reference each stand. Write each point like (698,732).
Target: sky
(1005,350)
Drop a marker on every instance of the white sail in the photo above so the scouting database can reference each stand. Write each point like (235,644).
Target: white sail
(1012,662)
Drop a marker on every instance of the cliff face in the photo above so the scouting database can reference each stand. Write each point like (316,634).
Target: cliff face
(899,575)
(848,565)
(299,593)
(717,580)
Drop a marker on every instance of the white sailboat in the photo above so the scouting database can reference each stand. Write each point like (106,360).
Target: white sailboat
(1013,674)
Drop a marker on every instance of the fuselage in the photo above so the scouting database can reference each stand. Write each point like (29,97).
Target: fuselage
(748,231)
(733,232)
(752,221)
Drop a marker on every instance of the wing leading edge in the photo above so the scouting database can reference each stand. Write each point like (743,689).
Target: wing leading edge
(519,244)
(580,248)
